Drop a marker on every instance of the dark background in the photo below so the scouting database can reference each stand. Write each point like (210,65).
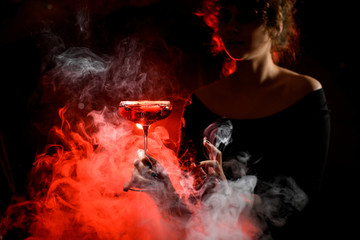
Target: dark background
(329,51)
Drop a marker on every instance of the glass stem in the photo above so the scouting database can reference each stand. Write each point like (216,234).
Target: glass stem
(146,132)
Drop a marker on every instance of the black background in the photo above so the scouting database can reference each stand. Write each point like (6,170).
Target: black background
(329,52)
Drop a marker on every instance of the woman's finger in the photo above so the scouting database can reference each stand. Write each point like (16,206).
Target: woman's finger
(152,174)
(143,156)
(142,165)
(152,160)
(209,163)
(138,181)
(214,153)
(212,167)
(212,172)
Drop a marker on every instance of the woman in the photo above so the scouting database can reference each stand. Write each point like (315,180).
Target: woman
(277,112)
(278,119)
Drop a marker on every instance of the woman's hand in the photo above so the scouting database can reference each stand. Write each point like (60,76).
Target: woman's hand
(150,176)
(209,173)
(214,164)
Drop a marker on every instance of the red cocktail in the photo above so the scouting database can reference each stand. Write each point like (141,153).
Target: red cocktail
(145,113)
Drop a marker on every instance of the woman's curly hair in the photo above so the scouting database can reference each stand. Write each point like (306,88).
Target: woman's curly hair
(276,15)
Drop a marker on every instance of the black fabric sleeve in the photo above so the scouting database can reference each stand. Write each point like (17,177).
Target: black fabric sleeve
(309,150)
(312,145)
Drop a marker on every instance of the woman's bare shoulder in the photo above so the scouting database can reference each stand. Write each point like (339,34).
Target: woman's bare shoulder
(303,84)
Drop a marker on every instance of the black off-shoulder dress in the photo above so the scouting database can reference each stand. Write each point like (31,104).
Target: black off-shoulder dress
(291,143)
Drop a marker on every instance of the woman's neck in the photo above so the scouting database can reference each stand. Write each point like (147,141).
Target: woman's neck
(254,72)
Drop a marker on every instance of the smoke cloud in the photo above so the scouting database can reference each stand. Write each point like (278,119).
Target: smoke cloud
(219,133)
(271,204)
(77,181)
(82,78)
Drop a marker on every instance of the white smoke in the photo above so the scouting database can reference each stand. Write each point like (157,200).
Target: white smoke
(219,133)
(281,198)
(79,62)
(88,80)
(83,23)
(273,202)
(226,214)
(125,75)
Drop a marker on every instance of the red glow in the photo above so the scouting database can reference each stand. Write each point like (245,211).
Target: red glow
(209,13)
(77,190)
(77,187)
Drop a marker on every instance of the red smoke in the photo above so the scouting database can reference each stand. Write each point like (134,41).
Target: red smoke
(77,185)
(76,189)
